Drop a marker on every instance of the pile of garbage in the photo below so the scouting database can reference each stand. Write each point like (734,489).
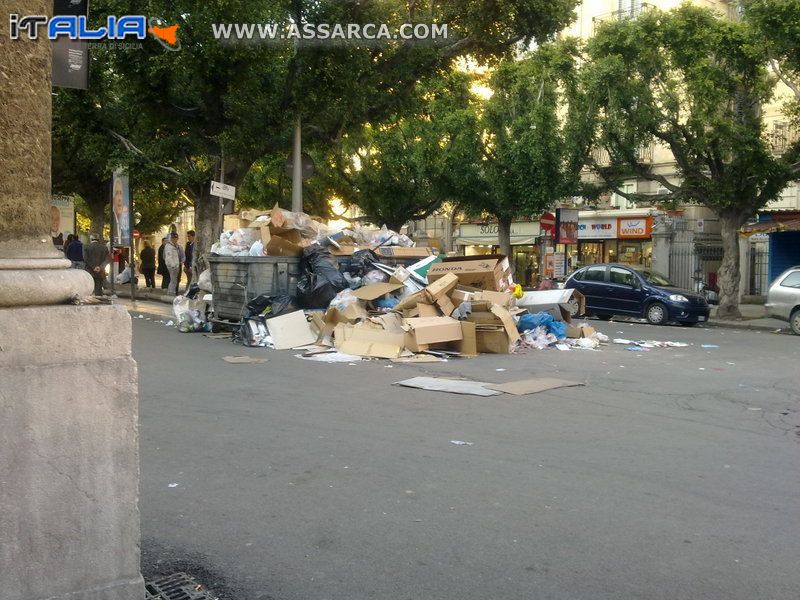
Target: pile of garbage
(280,232)
(450,307)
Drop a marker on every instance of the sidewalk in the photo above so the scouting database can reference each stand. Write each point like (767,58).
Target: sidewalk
(753,317)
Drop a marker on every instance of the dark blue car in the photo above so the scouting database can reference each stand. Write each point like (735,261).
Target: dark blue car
(614,289)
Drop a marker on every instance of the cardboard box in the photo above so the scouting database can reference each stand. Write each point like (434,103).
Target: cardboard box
(441,287)
(422,332)
(233,222)
(411,301)
(400,251)
(290,235)
(579,331)
(427,310)
(500,298)
(263,232)
(463,294)
(252,215)
(489,272)
(445,306)
(493,341)
(468,345)
(366,341)
(554,302)
(278,246)
(374,291)
(290,330)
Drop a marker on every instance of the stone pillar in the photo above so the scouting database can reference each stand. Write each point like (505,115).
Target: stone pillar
(69,523)
(662,243)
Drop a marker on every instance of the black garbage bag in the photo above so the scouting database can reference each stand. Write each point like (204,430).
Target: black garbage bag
(270,306)
(320,279)
(361,262)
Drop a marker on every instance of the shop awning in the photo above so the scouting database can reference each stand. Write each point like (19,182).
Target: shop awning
(770,227)
(519,240)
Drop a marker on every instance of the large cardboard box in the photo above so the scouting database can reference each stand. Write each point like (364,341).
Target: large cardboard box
(493,341)
(441,286)
(368,341)
(374,291)
(554,302)
(422,332)
(489,272)
(277,246)
(499,298)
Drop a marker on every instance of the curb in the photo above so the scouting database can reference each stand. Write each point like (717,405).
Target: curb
(743,325)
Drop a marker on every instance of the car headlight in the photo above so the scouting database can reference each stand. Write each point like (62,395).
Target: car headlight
(678,298)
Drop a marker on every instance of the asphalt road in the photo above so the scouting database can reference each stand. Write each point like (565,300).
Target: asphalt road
(673,474)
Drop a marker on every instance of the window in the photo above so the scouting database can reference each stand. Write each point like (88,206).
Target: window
(656,278)
(622,276)
(791,280)
(594,274)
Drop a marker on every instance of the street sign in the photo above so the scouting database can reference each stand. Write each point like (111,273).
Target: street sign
(307,167)
(547,221)
(136,234)
(223,190)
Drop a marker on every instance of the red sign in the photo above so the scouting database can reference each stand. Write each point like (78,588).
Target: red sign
(136,234)
(547,221)
(639,227)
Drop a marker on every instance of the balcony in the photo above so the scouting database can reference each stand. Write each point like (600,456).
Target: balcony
(782,137)
(631,12)
(644,155)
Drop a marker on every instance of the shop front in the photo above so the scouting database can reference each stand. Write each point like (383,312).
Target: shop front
(482,238)
(609,239)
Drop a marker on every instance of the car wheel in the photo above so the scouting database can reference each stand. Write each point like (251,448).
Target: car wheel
(657,314)
(794,321)
(574,307)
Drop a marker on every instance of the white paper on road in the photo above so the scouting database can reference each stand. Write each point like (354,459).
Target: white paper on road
(454,386)
(331,357)
(244,360)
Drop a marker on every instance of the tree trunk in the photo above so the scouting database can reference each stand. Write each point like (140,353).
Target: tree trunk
(97,213)
(504,236)
(208,226)
(728,276)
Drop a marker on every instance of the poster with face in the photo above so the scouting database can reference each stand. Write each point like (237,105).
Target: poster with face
(62,219)
(566,226)
(121,209)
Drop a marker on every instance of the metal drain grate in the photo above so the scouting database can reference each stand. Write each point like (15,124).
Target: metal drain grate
(176,587)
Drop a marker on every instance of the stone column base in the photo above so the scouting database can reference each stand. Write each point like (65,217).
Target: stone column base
(69,477)
(26,282)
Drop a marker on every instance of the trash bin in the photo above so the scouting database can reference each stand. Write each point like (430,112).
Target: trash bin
(236,280)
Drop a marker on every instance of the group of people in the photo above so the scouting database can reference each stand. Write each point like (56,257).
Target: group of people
(173,260)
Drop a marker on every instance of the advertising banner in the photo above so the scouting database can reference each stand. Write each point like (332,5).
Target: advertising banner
(640,227)
(62,219)
(597,229)
(566,226)
(121,210)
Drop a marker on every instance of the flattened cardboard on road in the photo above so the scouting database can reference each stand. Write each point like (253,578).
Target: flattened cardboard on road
(535,385)
(290,331)
(244,360)
(453,386)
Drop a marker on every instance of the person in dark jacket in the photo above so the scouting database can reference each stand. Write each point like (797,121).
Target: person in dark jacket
(148,266)
(96,256)
(188,253)
(74,252)
(162,267)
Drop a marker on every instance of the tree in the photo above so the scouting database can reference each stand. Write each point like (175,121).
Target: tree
(189,108)
(694,83)
(528,151)
(404,169)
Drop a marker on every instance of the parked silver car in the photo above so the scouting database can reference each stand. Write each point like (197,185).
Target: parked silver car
(783,299)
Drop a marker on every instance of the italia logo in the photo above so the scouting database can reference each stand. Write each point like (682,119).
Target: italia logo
(76,27)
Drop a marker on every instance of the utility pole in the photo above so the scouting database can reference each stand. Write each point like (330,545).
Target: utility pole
(297,170)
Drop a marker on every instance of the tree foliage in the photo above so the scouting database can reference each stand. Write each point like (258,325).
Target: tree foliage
(694,83)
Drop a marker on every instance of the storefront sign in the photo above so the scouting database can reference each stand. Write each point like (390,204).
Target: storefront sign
(522,233)
(566,226)
(597,229)
(635,228)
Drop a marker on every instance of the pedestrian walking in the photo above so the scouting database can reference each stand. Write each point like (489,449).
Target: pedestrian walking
(162,267)
(147,258)
(95,257)
(188,252)
(173,255)
(74,252)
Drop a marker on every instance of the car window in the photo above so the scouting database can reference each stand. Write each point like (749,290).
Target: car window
(791,280)
(656,278)
(594,274)
(622,276)
(578,275)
